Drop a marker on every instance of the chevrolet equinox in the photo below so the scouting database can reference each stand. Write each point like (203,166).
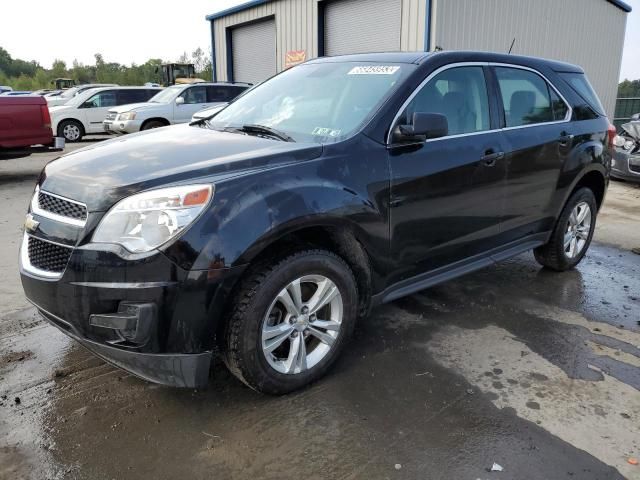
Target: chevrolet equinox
(262,233)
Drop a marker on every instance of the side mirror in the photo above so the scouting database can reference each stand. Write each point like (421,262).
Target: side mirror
(424,126)
(180,101)
(635,117)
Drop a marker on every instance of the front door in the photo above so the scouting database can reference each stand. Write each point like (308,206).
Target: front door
(96,109)
(447,193)
(195,99)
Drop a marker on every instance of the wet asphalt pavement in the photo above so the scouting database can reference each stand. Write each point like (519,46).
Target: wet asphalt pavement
(536,371)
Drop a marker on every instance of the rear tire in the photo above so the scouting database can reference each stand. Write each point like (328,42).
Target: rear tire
(572,234)
(71,130)
(153,124)
(288,324)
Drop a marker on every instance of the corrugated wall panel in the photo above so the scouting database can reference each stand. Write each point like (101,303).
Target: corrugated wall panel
(297,28)
(589,33)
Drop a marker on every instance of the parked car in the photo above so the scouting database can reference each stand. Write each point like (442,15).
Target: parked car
(5,88)
(207,112)
(337,185)
(84,113)
(25,122)
(626,162)
(175,104)
(66,95)
(16,93)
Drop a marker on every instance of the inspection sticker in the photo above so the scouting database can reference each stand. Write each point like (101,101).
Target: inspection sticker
(326,132)
(374,70)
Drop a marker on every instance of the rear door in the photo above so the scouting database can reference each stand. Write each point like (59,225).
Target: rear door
(447,193)
(195,99)
(537,141)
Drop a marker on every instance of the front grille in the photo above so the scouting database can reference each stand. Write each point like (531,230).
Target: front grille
(48,256)
(111,116)
(62,207)
(634,168)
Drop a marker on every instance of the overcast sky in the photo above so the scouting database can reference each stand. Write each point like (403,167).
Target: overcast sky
(127,31)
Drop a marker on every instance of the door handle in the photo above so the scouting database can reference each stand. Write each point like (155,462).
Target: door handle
(565,139)
(490,158)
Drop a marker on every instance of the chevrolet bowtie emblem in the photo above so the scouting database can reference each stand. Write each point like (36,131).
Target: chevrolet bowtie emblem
(31,224)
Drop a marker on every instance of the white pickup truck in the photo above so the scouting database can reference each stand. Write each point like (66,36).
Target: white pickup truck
(175,104)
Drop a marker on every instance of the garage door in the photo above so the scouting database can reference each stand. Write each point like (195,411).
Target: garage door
(360,26)
(254,51)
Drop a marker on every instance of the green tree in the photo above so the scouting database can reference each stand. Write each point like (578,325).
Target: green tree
(59,69)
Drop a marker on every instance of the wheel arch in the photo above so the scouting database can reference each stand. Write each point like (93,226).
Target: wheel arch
(71,119)
(163,120)
(336,236)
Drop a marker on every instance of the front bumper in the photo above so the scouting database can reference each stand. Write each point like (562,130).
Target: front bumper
(176,343)
(175,370)
(626,166)
(122,126)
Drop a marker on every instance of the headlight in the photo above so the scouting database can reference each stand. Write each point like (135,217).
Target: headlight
(628,145)
(147,220)
(127,116)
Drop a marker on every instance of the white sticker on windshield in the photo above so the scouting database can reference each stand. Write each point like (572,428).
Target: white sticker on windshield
(374,70)
(326,132)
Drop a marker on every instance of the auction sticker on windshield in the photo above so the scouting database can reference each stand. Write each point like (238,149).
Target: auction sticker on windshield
(326,132)
(374,70)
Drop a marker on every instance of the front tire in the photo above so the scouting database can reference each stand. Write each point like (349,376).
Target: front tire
(290,321)
(153,124)
(572,234)
(71,130)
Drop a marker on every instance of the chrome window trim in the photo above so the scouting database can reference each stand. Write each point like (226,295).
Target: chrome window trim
(35,208)
(25,263)
(479,64)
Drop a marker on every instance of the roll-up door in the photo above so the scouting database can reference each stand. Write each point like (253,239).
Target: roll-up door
(254,51)
(361,26)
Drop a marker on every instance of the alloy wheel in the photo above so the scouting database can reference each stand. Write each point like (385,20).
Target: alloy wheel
(302,324)
(578,230)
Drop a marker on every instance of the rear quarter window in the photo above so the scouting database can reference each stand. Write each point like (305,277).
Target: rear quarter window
(580,84)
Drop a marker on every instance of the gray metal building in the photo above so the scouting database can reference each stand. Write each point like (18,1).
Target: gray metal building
(257,39)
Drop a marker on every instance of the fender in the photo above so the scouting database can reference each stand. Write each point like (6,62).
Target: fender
(252,211)
(589,154)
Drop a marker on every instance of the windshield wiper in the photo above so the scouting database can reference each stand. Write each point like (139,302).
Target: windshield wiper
(261,129)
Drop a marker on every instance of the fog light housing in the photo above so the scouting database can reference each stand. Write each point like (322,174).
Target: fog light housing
(133,322)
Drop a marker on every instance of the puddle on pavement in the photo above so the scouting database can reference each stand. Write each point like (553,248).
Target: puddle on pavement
(529,345)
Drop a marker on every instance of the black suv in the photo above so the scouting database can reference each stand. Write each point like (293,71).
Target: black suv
(264,232)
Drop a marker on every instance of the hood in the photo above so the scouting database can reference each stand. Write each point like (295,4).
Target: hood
(106,172)
(633,129)
(137,107)
(54,101)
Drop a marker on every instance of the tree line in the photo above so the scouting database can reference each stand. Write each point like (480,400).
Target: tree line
(30,75)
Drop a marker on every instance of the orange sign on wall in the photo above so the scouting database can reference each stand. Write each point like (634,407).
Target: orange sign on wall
(294,57)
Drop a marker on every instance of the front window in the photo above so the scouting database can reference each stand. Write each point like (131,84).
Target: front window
(458,93)
(195,95)
(324,102)
(101,100)
(167,95)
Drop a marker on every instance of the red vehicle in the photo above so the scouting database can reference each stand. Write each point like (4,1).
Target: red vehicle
(25,123)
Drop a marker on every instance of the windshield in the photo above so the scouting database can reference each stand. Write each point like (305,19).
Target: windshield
(80,98)
(166,95)
(324,102)
(70,92)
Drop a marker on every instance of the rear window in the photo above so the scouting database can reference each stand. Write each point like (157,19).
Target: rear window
(581,85)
